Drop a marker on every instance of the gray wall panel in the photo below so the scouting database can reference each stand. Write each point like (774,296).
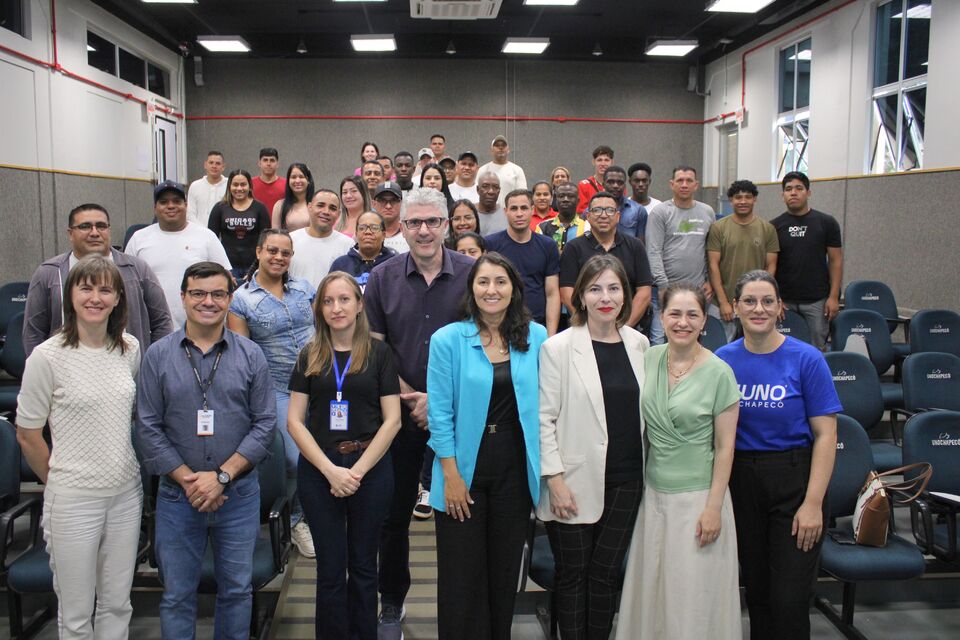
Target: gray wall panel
(70,191)
(21,243)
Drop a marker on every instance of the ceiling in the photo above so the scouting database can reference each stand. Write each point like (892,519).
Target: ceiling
(274,28)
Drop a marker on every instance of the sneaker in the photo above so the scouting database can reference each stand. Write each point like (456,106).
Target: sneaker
(423,510)
(302,540)
(389,627)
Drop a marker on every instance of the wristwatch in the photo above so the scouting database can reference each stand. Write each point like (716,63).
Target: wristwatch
(223,477)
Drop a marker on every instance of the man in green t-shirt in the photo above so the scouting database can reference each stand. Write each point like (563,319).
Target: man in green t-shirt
(736,244)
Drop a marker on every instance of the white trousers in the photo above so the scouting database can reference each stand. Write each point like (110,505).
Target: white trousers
(92,542)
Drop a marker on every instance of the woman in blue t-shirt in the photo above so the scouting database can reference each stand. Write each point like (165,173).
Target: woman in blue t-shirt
(785,447)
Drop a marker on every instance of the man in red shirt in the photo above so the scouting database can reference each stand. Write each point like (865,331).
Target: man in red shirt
(268,187)
(602,159)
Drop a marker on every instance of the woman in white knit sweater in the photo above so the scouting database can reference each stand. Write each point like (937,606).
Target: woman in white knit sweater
(82,382)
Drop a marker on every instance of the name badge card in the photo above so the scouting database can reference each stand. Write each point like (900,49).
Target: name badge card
(204,422)
(339,415)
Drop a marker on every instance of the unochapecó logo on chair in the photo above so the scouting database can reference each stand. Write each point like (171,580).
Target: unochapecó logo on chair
(843,376)
(861,329)
(939,328)
(937,374)
(870,297)
(945,441)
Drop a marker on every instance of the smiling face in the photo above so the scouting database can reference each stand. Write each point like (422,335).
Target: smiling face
(340,304)
(683,319)
(206,312)
(603,299)
(369,152)
(387,165)
(298,181)
(86,240)
(94,301)
(466,171)
(324,210)
(171,210)
(426,243)
(351,197)
(559,177)
(758,308)
(432,179)
(492,290)
(372,175)
(468,246)
(542,199)
(274,256)
(743,203)
(603,215)
(463,219)
(239,188)
(601,163)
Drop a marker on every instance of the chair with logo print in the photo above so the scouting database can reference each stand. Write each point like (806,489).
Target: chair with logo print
(794,325)
(713,336)
(870,326)
(852,563)
(934,437)
(858,387)
(931,381)
(877,296)
(935,330)
(13,300)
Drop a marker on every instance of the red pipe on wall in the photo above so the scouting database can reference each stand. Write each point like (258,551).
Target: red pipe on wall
(560,119)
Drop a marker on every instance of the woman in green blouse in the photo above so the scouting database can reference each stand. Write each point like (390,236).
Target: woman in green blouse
(681,577)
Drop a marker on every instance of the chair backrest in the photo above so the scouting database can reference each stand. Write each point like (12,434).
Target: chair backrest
(9,466)
(935,330)
(273,476)
(870,326)
(13,300)
(713,336)
(795,326)
(13,357)
(873,295)
(850,468)
(934,437)
(931,381)
(132,229)
(858,386)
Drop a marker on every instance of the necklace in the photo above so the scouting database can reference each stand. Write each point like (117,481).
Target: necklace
(501,349)
(677,375)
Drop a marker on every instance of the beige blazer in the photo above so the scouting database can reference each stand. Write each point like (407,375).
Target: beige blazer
(573,422)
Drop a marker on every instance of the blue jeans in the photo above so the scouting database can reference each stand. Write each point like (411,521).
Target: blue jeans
(182,534)
(656,326)
(348,535)
(292,453)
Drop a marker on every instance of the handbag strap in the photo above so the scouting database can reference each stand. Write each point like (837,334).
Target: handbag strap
(917,485)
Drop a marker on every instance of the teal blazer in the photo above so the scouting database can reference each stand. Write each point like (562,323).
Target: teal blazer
(459,385)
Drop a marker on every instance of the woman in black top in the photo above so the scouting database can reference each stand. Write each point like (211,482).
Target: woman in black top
(434,178)
(345,476)
(238,220)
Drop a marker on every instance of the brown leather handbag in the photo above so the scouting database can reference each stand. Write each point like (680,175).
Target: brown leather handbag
(871,520)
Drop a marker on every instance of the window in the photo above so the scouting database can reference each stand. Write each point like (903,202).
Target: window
(158,80)
(117,61)
(898,109)
(101,53)
(12,16)
(793,119)
(133,69)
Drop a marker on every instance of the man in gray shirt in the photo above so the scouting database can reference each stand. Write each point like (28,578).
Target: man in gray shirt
(676,241)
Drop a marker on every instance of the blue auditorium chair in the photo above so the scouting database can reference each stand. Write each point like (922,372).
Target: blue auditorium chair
(935,330)
(795,326)
(877,296)
(713,337)
(870,326)
(12,360)
(13,300)
(931,380)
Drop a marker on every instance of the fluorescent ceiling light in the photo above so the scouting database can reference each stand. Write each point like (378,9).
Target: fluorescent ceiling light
(92,49)
(359,0)
(738,6)
(223,44)
(534,46)
(550,3)
(806,54)
(169,1)
(676,48)
(374,42)
(918,12)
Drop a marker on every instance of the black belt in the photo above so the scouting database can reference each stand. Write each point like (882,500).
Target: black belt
(503,427)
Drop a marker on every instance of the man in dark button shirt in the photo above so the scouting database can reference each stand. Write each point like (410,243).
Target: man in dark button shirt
(206,415)
(407,299)
(603,215)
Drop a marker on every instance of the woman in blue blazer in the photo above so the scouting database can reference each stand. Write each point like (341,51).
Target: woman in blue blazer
(485,429)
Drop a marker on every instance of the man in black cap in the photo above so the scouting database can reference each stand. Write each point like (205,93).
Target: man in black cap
(465,186)
(449,166)
(386,202)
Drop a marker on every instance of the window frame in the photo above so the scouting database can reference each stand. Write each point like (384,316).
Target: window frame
(785,145)
(131,51)
(21,7)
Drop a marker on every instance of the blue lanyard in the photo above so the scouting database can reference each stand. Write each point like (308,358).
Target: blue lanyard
(340,377)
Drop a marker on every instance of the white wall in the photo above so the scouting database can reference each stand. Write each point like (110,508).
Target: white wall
(841,83)
(52,121)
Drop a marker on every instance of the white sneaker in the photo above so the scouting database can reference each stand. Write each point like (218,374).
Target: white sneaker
(423,510)
(302,540)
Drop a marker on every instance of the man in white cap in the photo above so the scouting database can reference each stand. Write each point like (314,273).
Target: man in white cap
(510,174)
(424,158)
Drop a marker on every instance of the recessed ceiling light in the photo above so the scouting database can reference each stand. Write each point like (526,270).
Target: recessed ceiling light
(675,48)
(374,42)
(738,6)
(169,1)
(223,44)
(919,11)
(359,0)
(532,46)
(550,3)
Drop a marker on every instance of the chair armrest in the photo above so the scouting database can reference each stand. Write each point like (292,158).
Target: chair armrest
(279,523)
(921,521)
(33,506)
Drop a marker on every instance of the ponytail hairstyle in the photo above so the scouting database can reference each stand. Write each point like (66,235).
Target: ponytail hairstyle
(262,240)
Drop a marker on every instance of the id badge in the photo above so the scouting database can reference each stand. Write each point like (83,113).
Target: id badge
(204,422)
(339,415)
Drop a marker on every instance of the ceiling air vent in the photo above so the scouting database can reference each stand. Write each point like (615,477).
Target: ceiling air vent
(455,9)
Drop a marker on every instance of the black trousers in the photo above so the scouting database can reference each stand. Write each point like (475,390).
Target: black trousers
(766,489)
(406,452)
(589,559)
(478,560)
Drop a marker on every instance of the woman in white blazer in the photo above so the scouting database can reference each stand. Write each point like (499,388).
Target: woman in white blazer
(591,446)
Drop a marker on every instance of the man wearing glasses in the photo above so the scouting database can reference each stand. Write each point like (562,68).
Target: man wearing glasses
(603,215)
(386,202)
(173,243)
(368,252)
(88,227)
(407,299)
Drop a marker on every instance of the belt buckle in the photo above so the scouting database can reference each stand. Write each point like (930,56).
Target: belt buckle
(491,428)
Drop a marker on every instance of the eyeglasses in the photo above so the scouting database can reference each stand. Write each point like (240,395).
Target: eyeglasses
(199,295)
(414,225)
(603,212)
(89,226)
(387,202)
(372,228)
(284,253)
(769,302)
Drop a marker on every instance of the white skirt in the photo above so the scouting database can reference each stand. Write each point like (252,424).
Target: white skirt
(673,588)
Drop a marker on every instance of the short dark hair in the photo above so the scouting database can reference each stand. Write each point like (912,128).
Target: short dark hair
(476,237)
(90,206)
(601,194)
(614,169)
(590,271)
(269,152)
(215,153)
(516,193)
(683,167)
(742,186)
(602,150)
(639,166)
(438,135)
(366,162)
(205,269)
(384,158)
(402,154)
(795,175)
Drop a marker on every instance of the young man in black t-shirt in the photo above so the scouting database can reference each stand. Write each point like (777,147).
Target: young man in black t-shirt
(810,265)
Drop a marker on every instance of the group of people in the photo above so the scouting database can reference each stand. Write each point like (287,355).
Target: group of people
(483,353)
